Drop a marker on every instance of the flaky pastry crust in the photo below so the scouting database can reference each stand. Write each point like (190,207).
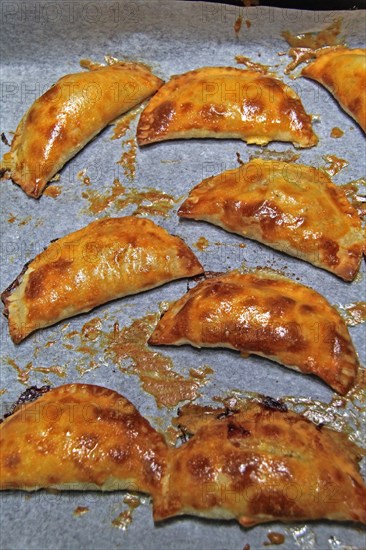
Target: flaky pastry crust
(256,464)
(226,102)
(343,72)
(290,207)
(66,117)
(264,314)
(107,259)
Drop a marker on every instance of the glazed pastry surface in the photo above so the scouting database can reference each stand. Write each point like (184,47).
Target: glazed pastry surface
(80,437)
(264,464)
(66,117)
(343,72)
(290,207)
(226,102)
(264,314)
(258,463)
(108,259)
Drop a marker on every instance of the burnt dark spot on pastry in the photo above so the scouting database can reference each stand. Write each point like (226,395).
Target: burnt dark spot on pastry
(4,139)
(8,291)
(29,395)
(272,404)
(12,460)
(235,430)
(184,433)
(200,467)
(329,250)
(162,116)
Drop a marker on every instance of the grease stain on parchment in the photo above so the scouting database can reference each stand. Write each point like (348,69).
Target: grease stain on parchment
(23,373)
(336,133)
(125,518)
(148,201)
(80,511)
(335,164)
(122,125)
(53,191)
(128,159)
(128,350)
(253,65)
(329,36)
(307,46)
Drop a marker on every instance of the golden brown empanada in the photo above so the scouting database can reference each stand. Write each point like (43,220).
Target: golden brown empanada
(226,102)
(68,115)
(264,314)
(105,260)
(291,207)
(264,464)
(80,436)
(343,72)
(256,463)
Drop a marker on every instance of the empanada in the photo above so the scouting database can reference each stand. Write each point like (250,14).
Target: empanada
(258,463)
(68,115)
(291,207)
(105,260)
(264,464)
(264,314)
(343,72)
(226,102)
(77,437)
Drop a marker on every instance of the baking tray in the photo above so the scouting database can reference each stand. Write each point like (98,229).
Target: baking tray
(43,41)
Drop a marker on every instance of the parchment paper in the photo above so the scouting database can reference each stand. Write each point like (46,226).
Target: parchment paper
(41,42)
